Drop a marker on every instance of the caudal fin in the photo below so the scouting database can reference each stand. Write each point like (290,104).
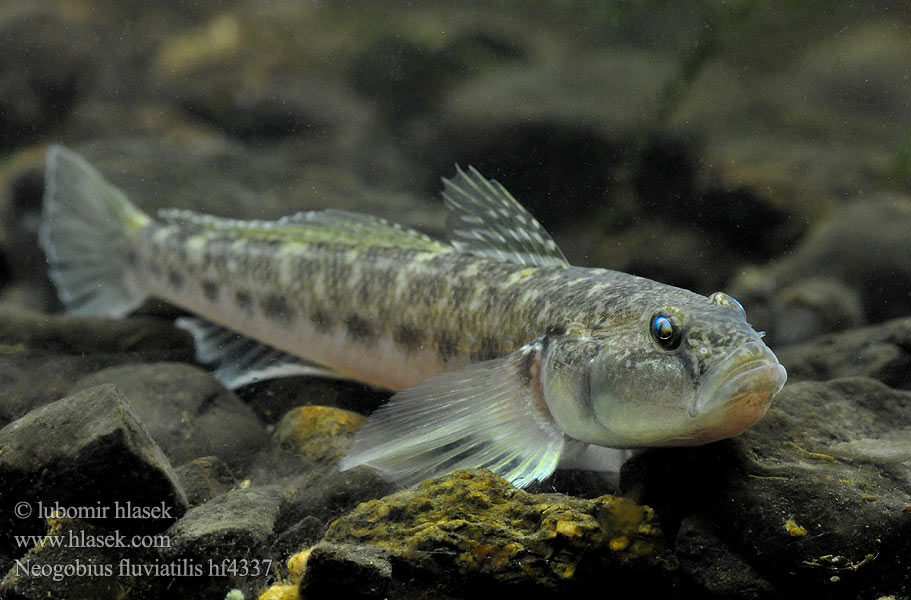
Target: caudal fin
(85,233)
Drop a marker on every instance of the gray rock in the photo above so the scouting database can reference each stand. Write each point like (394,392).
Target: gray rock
(230,537)
(205,478)
(44,60)
(863,247)
(803,309)
(881,351)
(811,126)
(816,497)
(233,525)
(87,564)
(85,450)
(361,571)
(311,503)
(41,355)
(65,334)
(187,411)
(714,566)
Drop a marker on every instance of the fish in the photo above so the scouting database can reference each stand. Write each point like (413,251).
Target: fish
(501,354)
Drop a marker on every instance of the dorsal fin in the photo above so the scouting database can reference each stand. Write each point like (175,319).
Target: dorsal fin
(329,226)
(484,219)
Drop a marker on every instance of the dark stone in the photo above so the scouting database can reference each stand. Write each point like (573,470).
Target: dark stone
(205,478)
(235,524)
(230,537)
(44,64)
(863,248)
(86,450)
(272,398)
(715,567)
(816,497)
(354,571)
(311,503)
(87,564)
(41,355)
(187,411)
(881,351)
(65,334)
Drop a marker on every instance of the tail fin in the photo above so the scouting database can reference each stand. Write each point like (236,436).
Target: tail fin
(85,233)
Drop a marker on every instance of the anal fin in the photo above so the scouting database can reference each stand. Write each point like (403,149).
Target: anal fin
(241,360)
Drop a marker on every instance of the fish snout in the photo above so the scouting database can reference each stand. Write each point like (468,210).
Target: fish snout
(745,380)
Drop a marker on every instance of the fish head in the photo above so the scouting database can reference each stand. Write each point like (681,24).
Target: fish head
(680,375)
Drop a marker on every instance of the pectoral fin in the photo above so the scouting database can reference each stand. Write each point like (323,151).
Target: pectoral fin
(487,415)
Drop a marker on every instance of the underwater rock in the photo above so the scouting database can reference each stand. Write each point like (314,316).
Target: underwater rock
(318,433)
(229,537)
(361,571)
(816,497)
(881,352)
(45,58)
(715,566)
(66,334)
(273,398)
(87,449)
(862,247)
(472,529)
(187,411)
(805,308)
(813,124)
(79,568)
(312,502)
(41,355)
(235,524)
(205,478)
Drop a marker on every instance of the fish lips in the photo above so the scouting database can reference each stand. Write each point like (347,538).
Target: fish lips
(739,389)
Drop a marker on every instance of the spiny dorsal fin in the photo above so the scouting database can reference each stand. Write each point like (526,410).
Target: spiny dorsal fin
(484,219)
(329,226)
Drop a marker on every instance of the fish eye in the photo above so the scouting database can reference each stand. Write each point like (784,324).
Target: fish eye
(665,332)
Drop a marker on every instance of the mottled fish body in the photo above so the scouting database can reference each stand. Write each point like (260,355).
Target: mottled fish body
(505,356)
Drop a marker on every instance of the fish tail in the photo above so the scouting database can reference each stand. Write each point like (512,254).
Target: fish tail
(86,232)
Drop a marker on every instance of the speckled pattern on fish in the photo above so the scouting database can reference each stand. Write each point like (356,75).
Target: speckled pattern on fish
(506,356)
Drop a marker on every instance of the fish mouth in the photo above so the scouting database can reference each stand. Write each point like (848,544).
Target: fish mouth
(739,389)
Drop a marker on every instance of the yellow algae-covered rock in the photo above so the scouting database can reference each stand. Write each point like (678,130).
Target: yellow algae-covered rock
(473,523)
(317,432)
(297,564)
(281,591)
(289,589)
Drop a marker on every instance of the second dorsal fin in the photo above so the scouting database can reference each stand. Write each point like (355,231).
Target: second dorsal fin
(326,226)
(484,219)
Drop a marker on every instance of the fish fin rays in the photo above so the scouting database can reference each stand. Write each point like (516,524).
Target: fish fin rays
(325,226)
(486,415)
(483,218)
(241,360)
(85,232)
